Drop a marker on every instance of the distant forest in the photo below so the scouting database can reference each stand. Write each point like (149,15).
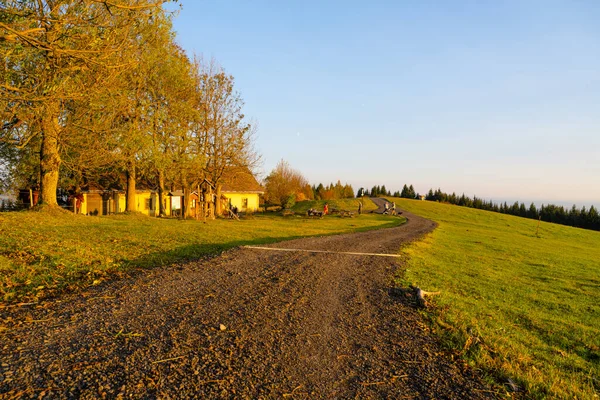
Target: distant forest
(577,217)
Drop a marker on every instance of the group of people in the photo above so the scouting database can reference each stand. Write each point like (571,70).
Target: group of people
(389,210)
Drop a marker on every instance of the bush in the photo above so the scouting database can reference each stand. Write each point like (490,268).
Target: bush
(291,201)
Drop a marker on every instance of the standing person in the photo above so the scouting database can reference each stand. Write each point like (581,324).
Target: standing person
(393,208)
(78,201)
(325,209)
(359,207)
(386,207)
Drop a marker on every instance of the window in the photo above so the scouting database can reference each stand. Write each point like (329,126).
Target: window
(148,204)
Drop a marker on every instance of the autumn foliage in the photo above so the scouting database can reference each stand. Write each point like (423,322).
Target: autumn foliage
(99,92)
(286,185)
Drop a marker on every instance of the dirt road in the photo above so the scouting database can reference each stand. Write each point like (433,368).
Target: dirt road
(247,324)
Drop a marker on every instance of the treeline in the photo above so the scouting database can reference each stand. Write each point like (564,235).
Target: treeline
(574,216)
(581,218)
(332,192)
(407,192)
(97,92)
(285,186)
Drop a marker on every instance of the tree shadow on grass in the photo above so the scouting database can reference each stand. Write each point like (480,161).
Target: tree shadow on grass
(194,252)
(54,281)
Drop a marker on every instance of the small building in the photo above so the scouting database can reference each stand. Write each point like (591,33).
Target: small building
(240,189)
(176,202)
(98,201)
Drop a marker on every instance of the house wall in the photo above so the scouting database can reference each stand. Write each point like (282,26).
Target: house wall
(92,204)
(83,208)
(142,200)
(99,204)
(120,202)
(236,199)
(95,204)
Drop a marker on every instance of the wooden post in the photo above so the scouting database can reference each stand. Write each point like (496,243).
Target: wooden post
(209,201)
(198,203)
(30,198)
(218,206)
(204,208)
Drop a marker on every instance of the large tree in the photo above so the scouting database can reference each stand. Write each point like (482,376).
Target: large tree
(141,108)
(57,53)
(222,130)
(283,182)
(173,155)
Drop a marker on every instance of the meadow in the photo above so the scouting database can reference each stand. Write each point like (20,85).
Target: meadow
(519,302)
(338,204)
(47,252)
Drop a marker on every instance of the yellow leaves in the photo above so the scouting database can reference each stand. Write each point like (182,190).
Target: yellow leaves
(9,296)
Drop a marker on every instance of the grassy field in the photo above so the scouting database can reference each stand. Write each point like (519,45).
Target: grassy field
(519,305)
(44,253)
(342,204)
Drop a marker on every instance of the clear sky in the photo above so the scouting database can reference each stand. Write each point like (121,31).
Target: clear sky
(499,99)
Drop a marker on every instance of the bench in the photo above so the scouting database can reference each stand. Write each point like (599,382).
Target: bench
(314,213)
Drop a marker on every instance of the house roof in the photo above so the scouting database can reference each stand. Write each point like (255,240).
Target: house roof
(180,193)
(240,180)
(95,188)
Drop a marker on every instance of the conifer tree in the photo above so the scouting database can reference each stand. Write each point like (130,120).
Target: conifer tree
(405,194)
(411,192)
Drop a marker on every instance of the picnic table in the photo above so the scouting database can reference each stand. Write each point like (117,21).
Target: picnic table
(311,212)
(346,213)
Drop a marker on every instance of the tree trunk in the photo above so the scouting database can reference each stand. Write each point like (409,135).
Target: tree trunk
(161,193)
(218,209)
(49,158)
(130,204)
(187,193)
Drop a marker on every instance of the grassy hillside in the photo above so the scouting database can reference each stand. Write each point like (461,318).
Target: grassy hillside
(45,252)
(521,305)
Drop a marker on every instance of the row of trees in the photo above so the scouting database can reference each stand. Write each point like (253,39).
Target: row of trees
(408,192)
(578,217)
(332,192)
(375,191)
(582,218)
(97,91)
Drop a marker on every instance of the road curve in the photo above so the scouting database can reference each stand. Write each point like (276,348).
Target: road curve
(247,324)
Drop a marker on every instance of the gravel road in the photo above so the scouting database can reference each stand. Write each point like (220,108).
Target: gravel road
(246,324)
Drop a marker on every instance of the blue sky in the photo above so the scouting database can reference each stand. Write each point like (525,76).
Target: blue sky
(500,99)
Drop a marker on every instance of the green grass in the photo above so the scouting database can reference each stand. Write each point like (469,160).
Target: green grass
(341,204)
(516,304)
(45,253)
